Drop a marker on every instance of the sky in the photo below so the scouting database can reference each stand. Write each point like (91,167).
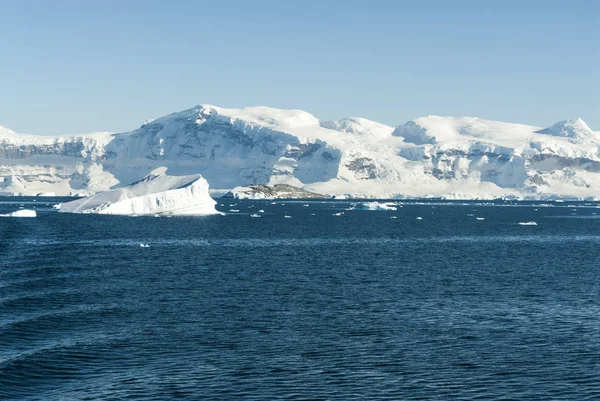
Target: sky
(70,67)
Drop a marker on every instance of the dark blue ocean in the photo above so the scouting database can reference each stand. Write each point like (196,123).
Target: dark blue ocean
(358,306)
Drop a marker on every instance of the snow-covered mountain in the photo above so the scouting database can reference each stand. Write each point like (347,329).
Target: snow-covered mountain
(430,156)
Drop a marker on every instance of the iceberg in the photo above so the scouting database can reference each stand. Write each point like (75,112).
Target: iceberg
(21,213)
(527,223)
(376,206)
(155,194)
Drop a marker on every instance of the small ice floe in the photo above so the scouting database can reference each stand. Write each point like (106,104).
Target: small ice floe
(393,217)
(57,206)
(527,223)
(419,218)
(306,205)
(314,214)
(338,213)
(144,246)
(377,206)
(157,215)
(234,210)
(255,215)
(287,217)
(21,213)
(480,218)
(261,211)
(470,214)
(273,203)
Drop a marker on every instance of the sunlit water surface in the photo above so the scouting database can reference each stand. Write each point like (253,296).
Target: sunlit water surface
(361,305)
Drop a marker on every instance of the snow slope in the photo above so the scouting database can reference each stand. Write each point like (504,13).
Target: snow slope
(157,193)
(431,156)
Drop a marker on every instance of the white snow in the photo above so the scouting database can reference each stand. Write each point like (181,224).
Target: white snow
(156,194)
(21,213)
(434,156)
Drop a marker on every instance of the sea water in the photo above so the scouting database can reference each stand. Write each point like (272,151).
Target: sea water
(333,302)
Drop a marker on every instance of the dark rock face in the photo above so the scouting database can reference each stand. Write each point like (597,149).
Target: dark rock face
(277,191)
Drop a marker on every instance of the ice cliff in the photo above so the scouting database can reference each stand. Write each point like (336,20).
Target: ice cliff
(431,156)
(155,194)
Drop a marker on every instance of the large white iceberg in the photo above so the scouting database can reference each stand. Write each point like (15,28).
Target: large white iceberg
(156,194)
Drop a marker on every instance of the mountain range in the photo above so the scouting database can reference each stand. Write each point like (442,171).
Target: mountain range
(458,158)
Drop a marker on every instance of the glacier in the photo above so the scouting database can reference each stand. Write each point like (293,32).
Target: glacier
(433,156)
(155,194)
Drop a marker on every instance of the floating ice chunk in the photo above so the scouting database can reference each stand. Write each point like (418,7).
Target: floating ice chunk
(480,218)
(393,217)
(470,214)
(377,206)
(287,217)
(21,213)
(306,205)
(155,194)
(144,246)
(255,215)
(273,203)
(527,223)
(419,218)
(314,214)
(261,211)
(338,214)
(234,210)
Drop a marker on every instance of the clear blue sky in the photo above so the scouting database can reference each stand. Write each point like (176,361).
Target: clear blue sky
(80,66)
